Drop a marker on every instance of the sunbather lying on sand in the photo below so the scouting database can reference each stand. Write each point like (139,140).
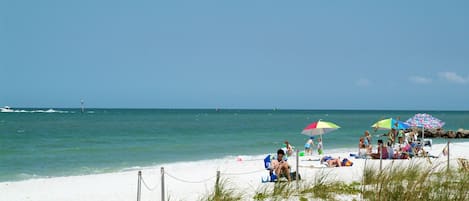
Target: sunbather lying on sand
(331,162)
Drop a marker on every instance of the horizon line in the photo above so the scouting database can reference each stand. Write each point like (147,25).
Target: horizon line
(260,109)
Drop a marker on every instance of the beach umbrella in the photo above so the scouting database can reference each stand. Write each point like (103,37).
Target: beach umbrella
(390,123)
(425,121)
(319,127)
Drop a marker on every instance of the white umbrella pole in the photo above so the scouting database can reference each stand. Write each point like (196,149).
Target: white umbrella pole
(381,157)
(423,133)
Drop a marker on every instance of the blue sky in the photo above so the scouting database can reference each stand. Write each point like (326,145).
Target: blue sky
(235,54)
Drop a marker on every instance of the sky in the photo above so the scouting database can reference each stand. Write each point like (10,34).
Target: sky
(262,54)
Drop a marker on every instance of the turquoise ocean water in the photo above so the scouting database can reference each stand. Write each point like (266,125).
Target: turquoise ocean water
(36,144)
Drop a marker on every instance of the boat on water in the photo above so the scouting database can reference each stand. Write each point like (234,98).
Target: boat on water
(6,109)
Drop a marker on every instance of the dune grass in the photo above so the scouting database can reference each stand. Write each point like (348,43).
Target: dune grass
(223,192)
(394,182)
(415,182)
(321,187)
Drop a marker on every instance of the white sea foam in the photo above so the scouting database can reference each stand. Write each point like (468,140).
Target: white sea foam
(36,111)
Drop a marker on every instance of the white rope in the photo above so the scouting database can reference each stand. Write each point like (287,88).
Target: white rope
(187,181)
(146,185)
(244,173)
(458,145)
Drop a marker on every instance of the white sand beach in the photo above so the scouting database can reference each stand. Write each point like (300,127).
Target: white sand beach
(192,180)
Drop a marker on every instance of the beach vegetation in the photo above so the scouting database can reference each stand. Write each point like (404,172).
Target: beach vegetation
(322,188)
(223,191)
(276,191)
(415,181)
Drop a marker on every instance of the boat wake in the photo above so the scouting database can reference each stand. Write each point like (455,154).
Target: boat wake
(7,109)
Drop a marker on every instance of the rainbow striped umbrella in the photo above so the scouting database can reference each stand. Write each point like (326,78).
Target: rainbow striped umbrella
(318,128)
(390,124)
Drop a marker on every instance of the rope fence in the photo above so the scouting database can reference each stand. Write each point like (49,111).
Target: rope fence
(244,173)
(216,177)
(164,173)
(456,144)
(187,181)
(147,186)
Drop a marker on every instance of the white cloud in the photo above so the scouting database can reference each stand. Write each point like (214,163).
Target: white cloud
(420,80)
(453,77)
(363,82)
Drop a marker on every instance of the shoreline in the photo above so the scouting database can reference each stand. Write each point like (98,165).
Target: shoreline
(190,180)
(258,157)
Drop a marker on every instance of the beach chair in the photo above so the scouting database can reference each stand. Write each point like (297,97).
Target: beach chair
(428,142)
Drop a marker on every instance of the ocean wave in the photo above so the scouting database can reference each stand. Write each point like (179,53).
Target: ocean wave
(26,176)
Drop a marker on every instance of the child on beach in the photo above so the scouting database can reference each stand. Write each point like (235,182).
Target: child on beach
(309,146)
(320,152)
(288,148)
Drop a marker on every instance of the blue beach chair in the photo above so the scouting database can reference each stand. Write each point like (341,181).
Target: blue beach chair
(268,166)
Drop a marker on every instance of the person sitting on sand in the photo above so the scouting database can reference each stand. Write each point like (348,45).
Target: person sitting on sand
(390,151)
(362,149)
(407,149)
(280,165)
(331,162)
(382,151)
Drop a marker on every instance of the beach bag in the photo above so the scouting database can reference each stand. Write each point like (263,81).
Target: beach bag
(347,162)
(293,176)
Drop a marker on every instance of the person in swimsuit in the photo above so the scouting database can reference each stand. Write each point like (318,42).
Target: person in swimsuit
(331,162)
(309,146)
(367,142)
(280,165)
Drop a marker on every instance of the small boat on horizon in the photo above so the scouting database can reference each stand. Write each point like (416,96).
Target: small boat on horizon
(6,109)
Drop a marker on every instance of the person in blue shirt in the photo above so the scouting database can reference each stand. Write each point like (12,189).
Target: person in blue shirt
(309,146)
